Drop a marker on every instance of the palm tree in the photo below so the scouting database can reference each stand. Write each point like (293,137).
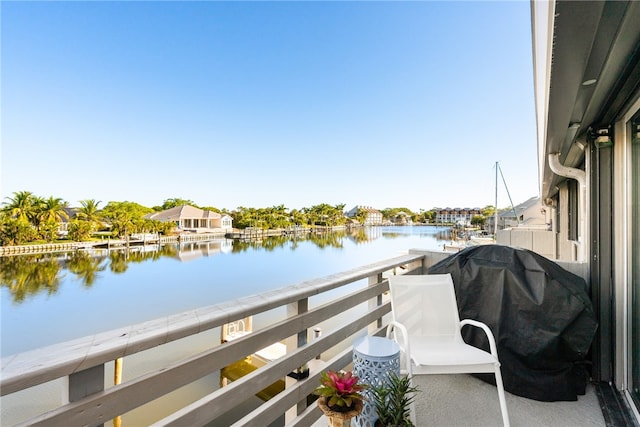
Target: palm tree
(21,206)
(36,217)
(53,210)
(47,216)
(89,212)
(361,216)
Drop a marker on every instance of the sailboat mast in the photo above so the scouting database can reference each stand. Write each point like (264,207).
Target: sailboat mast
(495,214)
(513,208)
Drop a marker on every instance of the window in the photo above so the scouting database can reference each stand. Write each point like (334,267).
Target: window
(572,187)
(556,218)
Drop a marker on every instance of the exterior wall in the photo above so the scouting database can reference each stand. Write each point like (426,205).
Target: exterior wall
(373,218)
(542,242)
(578,268)
(225,223)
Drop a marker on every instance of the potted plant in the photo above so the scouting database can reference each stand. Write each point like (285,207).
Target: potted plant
(392,401)
(340,397)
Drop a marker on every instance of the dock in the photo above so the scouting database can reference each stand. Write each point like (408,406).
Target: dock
(134,240)
(253,234)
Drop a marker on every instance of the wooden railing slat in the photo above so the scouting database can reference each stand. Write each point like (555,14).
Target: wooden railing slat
(126,396)
(217,403)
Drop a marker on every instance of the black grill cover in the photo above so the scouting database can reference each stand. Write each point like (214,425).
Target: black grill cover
(540,314)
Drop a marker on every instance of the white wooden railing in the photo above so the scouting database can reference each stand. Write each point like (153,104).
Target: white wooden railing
(358,294)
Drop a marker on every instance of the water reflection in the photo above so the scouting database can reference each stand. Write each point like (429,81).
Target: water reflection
(360,235)
(30,275)
(26,276)
(321,239)
(85,267)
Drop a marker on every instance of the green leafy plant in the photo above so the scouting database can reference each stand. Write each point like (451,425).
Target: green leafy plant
(340,389)
(392,401)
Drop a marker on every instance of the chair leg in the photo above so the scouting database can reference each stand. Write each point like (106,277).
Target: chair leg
(501,397)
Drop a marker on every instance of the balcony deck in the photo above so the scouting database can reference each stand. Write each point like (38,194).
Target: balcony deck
(465,401)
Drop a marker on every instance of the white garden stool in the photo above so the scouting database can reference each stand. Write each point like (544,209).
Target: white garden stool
(374,358)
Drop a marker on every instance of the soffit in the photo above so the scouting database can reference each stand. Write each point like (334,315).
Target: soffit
(592,40)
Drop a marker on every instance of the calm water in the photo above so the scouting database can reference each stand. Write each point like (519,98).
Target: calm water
(48,299)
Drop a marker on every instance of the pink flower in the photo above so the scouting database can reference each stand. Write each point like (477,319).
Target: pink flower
(340,389)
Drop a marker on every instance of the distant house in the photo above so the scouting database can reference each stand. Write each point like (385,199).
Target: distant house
(456,215)
(374,217)
(529,214)
(63,223)
(402,218)
(191,219)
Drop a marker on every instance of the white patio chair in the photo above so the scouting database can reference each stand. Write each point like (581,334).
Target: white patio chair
(426,326)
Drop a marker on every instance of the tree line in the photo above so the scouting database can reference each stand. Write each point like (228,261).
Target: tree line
(26,218)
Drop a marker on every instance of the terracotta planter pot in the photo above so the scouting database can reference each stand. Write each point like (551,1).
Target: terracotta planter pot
(339,419)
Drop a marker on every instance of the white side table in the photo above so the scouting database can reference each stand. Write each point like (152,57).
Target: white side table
(373,359)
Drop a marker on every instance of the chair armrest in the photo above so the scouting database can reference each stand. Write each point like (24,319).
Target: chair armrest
(485,328)
(403,342)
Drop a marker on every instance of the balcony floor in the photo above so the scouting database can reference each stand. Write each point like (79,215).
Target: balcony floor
(465,401)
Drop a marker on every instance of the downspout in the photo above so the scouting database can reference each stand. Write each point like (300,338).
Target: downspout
(580,176)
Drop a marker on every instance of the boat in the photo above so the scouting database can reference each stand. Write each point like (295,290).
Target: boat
(454,247)
(482,240)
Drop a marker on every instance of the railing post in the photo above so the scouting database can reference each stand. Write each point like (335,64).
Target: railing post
(372,281)
(84,383)
(294,342)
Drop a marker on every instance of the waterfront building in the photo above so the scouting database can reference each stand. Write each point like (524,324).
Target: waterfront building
(192,219)
(373,216)
(456,215)
(587,91)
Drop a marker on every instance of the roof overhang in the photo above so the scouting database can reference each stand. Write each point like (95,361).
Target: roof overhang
(586,75)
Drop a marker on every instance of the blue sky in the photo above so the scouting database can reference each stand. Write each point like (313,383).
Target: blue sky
(256,104)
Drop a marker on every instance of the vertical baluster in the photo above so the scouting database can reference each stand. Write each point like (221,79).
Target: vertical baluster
(372,281)
(84,383)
